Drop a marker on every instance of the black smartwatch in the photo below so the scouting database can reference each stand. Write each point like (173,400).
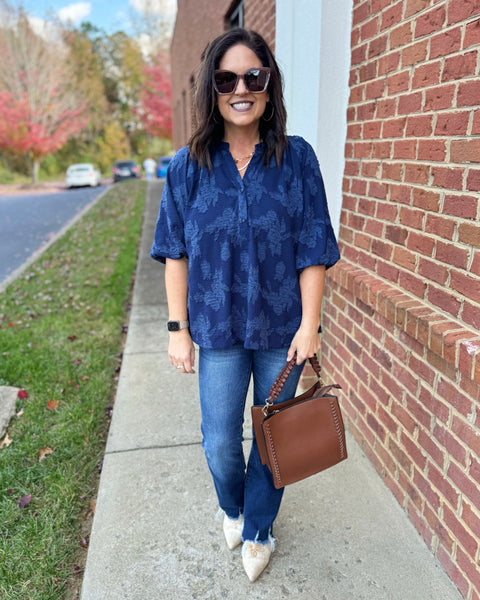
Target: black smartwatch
(177,325)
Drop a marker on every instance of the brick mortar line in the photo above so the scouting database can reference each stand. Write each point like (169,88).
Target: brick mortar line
(385,294)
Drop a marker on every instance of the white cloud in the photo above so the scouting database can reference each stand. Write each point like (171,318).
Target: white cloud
(45,29)
(74,13)
(168,8)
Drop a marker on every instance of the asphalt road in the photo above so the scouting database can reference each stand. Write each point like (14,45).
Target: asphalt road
(28,221)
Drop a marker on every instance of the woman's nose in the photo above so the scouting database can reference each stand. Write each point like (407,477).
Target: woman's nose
(241,87)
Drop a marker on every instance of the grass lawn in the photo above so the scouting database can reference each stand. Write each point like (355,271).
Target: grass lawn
(62,328)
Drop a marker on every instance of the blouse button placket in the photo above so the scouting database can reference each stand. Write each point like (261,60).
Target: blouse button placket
(242,204)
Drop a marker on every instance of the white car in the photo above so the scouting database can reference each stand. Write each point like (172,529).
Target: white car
(82,174)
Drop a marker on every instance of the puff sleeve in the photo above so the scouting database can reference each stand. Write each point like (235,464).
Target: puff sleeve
(169,240)
(316,242)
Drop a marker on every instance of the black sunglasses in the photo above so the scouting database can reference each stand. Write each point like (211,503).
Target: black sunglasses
(255,80)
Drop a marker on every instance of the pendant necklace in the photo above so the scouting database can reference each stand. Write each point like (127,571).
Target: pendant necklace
(247,158)
(237,160)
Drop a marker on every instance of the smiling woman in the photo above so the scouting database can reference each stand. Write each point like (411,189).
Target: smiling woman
(246,236)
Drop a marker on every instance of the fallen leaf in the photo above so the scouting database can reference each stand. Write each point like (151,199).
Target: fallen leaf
(24,500)
(77,362)
(72,337)
(6,441)
(20,413)
(52,404)
(22,394)
(91,510)
(43,453)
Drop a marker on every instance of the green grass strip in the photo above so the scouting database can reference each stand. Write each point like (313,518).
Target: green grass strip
(61,339)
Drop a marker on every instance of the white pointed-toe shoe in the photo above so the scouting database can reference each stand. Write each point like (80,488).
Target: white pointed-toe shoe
(255,558)
(232,530)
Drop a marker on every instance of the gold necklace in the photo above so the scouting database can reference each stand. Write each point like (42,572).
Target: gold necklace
(246,164)
(237,160)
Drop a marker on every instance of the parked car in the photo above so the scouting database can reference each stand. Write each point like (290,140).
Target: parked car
(82,174)
(162,166)
(125,169)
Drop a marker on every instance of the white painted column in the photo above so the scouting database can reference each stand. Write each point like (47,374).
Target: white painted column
(313,51)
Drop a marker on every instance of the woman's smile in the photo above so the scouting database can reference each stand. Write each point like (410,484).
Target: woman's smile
(242,105)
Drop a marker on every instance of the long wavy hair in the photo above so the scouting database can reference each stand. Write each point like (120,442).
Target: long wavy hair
(209,126)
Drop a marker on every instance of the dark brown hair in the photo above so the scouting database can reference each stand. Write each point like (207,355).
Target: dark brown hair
(209,125)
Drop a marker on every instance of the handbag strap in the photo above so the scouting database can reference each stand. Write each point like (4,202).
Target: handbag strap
(283,376)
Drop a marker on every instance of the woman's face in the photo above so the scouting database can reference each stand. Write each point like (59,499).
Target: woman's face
(241,109)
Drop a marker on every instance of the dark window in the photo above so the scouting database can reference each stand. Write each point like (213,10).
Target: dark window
(235,15)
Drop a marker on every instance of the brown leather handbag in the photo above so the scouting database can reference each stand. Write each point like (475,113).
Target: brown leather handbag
(302,436)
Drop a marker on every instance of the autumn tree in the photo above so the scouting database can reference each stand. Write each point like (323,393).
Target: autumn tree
(155,110)
(113,144)
(41,107)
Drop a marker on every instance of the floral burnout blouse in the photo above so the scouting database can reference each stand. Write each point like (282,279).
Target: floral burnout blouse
(247,241)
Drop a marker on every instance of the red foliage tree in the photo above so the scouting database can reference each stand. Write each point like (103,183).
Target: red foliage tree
(155,110)
(41,109)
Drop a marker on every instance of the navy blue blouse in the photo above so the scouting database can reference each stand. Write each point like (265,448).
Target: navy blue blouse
(247,240)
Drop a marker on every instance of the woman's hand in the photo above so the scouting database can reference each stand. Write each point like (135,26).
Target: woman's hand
(181,351)
(306,343)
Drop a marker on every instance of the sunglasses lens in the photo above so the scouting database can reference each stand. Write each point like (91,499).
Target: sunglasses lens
(225,82)
(256,80)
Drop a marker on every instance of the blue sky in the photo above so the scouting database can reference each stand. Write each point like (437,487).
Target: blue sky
(110,15)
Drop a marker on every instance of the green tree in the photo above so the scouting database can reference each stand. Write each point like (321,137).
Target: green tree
(85,66)
(122,67)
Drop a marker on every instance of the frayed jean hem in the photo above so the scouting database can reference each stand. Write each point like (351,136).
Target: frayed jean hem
(271,540)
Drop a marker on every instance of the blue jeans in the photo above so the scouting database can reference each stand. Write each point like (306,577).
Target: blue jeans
(224,376)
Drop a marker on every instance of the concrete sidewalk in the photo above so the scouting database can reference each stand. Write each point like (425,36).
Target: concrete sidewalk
(341,534)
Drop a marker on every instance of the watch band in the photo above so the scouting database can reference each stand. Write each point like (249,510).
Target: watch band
(177,325)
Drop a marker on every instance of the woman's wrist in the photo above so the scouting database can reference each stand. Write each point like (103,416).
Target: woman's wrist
(310,324)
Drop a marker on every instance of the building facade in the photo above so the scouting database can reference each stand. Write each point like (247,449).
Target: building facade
(388,93)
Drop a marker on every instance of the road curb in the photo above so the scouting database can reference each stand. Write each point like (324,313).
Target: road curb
(46,245)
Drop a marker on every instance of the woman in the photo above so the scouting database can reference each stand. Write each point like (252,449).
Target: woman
(246,237)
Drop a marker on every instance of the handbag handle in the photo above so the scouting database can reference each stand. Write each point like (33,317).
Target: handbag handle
(283,376)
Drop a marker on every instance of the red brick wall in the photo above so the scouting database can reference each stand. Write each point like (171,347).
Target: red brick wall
(260,16)
(402,309)
(197,23)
